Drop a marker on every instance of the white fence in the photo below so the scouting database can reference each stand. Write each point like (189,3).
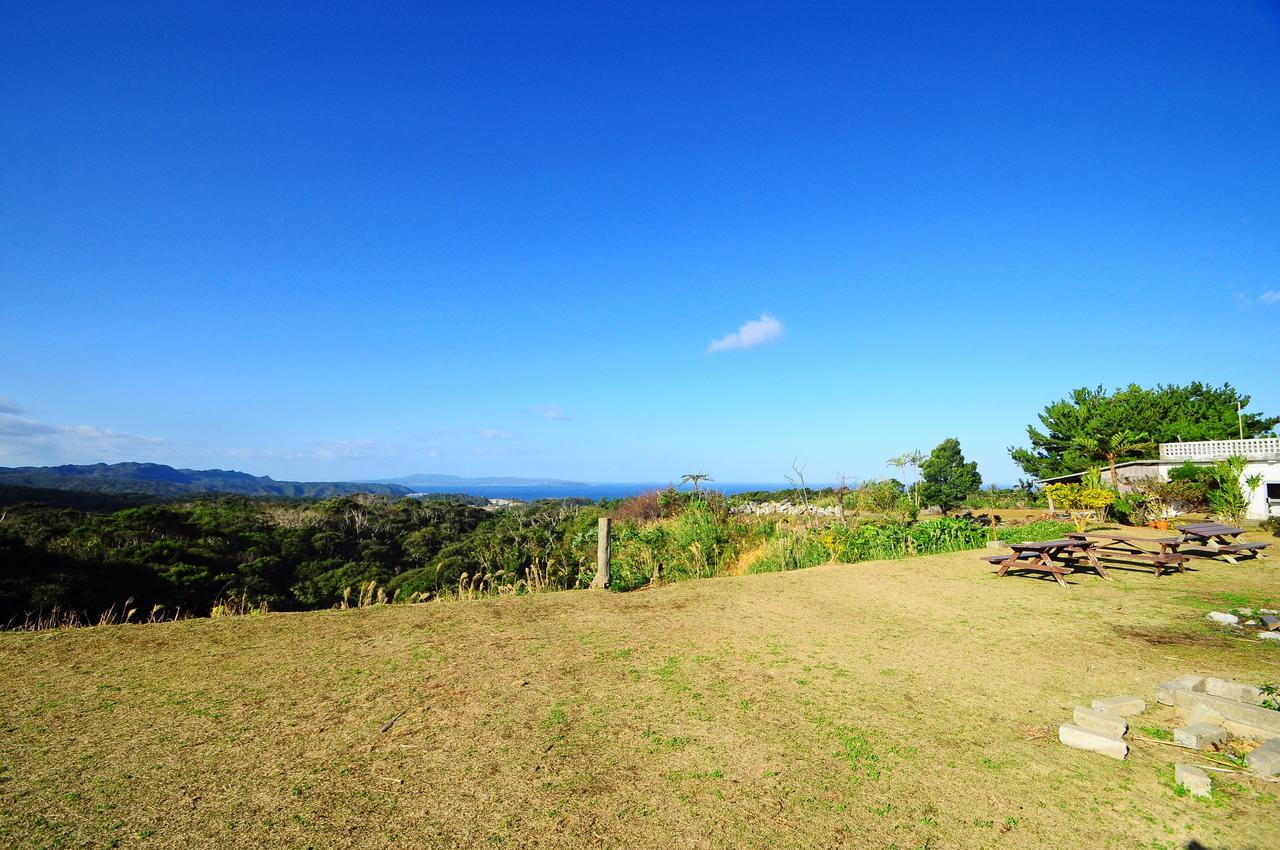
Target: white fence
(1263,448)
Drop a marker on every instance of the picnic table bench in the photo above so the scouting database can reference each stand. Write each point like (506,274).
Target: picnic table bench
(1221,540)
(1128,547)
(1058,558)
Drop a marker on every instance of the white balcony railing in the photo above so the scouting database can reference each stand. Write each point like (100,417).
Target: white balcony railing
(1261,448)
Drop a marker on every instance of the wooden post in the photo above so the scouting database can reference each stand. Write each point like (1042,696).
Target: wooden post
(601,580)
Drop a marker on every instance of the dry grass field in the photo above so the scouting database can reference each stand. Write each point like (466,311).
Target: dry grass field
(908,704)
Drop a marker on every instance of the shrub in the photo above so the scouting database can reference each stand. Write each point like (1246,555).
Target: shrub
(1188,471)
(947,535)
(699,541)
(1085,504)
(891,540)
(696,543)
(1045,529)
(1131,508)
(637,555)
(885,501)
(789,551)
(879,498)
(1229,498)
(645,507)
(1023,496)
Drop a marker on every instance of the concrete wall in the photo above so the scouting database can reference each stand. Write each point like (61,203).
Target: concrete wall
(1259,506)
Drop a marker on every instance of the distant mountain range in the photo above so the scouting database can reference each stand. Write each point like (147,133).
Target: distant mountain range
(156,479)
(431,479)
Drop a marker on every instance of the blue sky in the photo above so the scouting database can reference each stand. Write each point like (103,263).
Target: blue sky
(330,241)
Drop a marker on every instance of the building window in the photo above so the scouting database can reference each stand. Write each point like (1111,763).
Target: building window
(1273,491)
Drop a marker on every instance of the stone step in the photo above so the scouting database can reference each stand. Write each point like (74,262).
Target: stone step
(1125,706)
(1095,742)
(1189,682)
(1265,760)
(1205,714)
(1100,721)
(1193,778)
(1242,719)
(1238,691)
(1201,736)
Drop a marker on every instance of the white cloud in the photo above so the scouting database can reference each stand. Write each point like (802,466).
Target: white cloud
(323,451)
(28,440)
(498,451)
(752,333)
(21,427)
(1266,298)
(497,434)
(550,411)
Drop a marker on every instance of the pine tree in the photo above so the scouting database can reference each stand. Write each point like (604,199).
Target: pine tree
(947,478)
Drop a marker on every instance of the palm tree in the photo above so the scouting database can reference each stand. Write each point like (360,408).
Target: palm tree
(913,460)
(694,478)
(1111,447)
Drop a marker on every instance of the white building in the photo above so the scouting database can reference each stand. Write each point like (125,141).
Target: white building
(1262,454)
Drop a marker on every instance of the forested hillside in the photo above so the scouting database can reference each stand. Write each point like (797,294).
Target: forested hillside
(274,553)
(156,479)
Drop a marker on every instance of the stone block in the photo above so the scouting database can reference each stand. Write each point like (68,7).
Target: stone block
(1100,721)
(1189,682)
(1205,714)
(1268,635)
(1271,623)
(1238,691)
(1223,619)
(1265,760)
(1247,721)
(1193,779)
(1201,736)
(1094,742)
(1125,706)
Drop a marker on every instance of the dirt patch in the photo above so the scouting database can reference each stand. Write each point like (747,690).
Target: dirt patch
(1162,637)
(743,564)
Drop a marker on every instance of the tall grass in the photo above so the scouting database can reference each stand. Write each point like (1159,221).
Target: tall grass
(789,551)
(892,540)
(1045,529)
(699,542)
(58,618)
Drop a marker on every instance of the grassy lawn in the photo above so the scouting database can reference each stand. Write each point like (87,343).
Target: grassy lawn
(903,704)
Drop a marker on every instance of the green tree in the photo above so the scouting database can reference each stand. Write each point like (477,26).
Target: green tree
(948,479)
(1112,447)
(1190,412)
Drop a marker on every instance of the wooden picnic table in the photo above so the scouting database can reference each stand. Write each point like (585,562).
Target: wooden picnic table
(1210,533)
(1058,558)
(1221,540)
(1131,547)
